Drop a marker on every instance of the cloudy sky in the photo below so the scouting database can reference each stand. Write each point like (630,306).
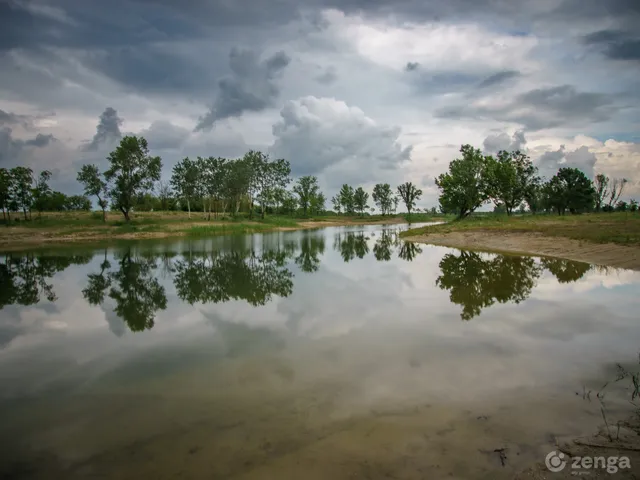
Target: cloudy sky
(353,91)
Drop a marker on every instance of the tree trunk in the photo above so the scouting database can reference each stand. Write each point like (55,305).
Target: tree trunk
(104,216)
(189,208)
(24,212)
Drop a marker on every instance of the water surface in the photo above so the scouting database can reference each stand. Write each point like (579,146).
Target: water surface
(333,353)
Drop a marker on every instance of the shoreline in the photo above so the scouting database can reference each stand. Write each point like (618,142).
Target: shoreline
(536,244)
(28,238)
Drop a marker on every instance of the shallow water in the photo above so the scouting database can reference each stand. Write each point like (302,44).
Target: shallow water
(333,353)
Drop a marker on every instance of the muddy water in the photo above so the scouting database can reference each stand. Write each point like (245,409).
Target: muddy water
(336,353)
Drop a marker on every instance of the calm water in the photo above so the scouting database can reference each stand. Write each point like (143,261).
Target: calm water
(335,353)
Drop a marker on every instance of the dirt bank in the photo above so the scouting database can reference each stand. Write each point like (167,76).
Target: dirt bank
(608,254)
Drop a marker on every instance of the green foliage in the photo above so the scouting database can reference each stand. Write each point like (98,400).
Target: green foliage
(317,203)
(383,197)
(6,190)
(409,194)
(347,201)
(306,188)
(132,171)
(570,189)
(361,200)
(337,206)
(21,193)
(41,191)
(511,179)
(185,180)
(94,186)
(463,187)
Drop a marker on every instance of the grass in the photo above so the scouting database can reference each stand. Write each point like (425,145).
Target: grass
(621,227)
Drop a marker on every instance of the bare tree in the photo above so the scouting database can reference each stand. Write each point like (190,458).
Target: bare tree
(601,182)
(617,188)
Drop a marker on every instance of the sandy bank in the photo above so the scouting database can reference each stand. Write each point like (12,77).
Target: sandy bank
(608,254)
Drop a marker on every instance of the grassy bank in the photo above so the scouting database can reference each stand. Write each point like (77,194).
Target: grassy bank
(622,228)
(88,226)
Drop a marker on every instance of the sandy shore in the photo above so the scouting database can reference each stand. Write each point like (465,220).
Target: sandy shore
(607,254)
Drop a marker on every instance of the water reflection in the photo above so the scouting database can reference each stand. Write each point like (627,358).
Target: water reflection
(476,281)
(24,279)
(132,285)
(213,277)
(351,245)
(236,268)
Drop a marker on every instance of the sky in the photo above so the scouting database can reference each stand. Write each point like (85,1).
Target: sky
(356,91)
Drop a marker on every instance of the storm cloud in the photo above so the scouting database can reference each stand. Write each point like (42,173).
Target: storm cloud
(357,90)
(251,86)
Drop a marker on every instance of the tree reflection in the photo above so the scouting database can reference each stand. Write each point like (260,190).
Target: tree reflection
(351,245)
(220,277)
(566,271)
(476,283)
(409,251)
(382,247)
(25,279)
(311,246)
(133,286)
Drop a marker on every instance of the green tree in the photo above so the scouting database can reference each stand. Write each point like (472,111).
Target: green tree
(409,194)
(77,203)
(463,188)
(383,197)
(132,171)
(6,189)
(317,203)
(346,195)
(41,192)
(335,200)
(164,195)
(94,186)
(289,203)
(21,193)
(509,178)
(361,200)
(306,188)
(617,187)
(270,175)
(570,189)
(185,178)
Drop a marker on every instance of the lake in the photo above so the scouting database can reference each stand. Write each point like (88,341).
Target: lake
(333,353)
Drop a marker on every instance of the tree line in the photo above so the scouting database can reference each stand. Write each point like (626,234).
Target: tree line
(22,191)
(212,185)
(511,182)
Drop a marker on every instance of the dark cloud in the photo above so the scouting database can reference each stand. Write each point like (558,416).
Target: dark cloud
(250,88)
(40,140)
(502,141)
(12,149)
(108,130)
(581,158)
(411,66)
(498,78)
(542,108)
(10,118)
(615,44)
